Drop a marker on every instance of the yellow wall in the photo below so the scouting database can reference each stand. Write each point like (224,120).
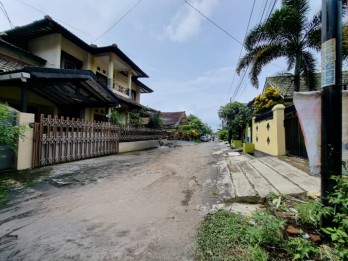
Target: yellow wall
(275,133)
(13,94)
(48,47)
(77,52)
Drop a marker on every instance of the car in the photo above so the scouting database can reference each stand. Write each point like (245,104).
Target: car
(204,138)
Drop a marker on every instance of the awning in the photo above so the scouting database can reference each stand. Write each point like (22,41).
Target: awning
(65,87)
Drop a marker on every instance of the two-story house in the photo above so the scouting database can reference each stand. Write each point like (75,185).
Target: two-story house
(47,69)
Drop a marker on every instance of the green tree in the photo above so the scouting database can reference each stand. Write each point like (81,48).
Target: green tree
(288,34)
(9,134)
(193,129)
(235,115)
(265,102)
(155,121)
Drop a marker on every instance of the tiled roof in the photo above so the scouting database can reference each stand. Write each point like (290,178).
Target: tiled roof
(8,64)
(129,101)
(172,118)
(285,84)
(22,34)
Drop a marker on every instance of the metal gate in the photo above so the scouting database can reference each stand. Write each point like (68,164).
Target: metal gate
(57,140)
(294,140)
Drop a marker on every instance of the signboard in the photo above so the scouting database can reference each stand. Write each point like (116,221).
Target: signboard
(328,63)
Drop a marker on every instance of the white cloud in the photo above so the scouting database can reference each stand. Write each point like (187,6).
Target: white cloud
(187,22)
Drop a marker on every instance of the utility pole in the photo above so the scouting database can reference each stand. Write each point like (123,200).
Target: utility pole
(331,83)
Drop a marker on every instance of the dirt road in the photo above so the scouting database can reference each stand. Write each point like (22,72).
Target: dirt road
(136,206)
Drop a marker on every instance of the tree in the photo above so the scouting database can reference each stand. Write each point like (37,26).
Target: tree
(265,102)
(9,133)
(155,121)
(193,129)
(289,34)
(235,115)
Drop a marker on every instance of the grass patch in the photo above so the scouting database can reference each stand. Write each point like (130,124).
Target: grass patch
(229,236)
(3,193)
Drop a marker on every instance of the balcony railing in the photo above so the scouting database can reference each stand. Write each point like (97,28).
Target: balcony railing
(121,89)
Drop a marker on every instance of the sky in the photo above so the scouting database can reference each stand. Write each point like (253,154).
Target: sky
(190,59)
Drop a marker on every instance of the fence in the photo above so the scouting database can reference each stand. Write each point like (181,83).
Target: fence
(57,140)
(294,140)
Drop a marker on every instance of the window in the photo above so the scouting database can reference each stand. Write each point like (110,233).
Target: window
(102,78)
(70,62)
(133,95)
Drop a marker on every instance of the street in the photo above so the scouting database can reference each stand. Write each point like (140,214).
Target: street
(135,206)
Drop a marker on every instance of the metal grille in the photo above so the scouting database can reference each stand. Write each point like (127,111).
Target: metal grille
(58,140)
(294,140)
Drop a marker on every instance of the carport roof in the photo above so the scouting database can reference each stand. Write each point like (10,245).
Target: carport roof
(64,87)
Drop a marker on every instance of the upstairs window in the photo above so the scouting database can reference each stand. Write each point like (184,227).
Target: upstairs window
(70,62)
(133,95)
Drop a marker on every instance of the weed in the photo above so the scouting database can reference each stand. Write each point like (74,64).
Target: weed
(338,210)
(3,193)
(258,254)
(309,213)
(267,230)
(300,248)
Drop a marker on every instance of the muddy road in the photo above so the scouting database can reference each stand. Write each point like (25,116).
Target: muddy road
(135,206)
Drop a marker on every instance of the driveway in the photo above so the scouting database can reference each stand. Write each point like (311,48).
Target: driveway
(135,206)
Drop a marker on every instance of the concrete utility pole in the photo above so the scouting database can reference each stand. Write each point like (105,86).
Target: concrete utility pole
(331,83)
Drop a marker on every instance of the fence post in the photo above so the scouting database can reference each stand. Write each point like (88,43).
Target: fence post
(25,146)
(278,117)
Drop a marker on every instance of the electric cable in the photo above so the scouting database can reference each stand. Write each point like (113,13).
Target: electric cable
(118,20)
(211,21)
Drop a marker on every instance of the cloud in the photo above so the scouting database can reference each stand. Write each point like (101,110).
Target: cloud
(187,22)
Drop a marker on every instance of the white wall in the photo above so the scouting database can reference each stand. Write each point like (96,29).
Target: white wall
(47,47)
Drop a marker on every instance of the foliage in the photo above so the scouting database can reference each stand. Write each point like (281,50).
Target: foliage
(193,129)
(267,229)
(9,133)
(115,117)
(286,33)
(265,102)
(300,248)
(309,213)
(3,193)
(222,134)
(338,210)
(235,115)
(155,121)
(220,236)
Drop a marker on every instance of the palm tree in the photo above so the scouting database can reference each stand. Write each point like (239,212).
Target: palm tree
(287,33)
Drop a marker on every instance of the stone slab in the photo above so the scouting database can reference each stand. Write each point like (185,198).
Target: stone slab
(279,182)
(261,185)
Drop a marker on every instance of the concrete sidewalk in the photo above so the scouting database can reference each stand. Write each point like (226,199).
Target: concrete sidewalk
(244,178)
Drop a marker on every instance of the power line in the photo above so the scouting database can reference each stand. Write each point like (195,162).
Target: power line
(119,20)
(55,18)
(198,11)
(3,9)
(241,49)
(245,71)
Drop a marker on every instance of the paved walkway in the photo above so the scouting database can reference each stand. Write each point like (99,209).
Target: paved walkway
(244,178)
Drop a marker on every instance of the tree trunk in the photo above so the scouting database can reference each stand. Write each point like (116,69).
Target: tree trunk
(297,73)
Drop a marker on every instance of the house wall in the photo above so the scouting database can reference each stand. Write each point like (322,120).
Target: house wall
(77,52)
(269,135)
(48,47)
(13,94)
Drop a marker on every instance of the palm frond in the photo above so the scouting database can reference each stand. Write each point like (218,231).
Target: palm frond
(265,55)
(308,70)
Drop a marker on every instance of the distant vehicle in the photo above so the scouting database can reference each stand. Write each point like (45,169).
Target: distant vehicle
(204,138)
